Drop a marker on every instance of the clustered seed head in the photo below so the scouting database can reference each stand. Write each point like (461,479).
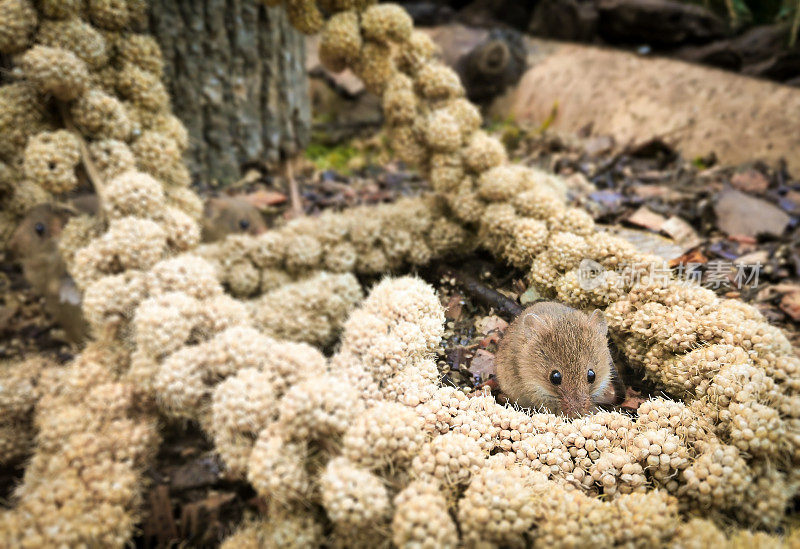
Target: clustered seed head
(340,44)
(50,161)
(498,506)
(112,158)
(101,116)
(19,393)
(276,468)
(353,497)
(421,518)
(55,71)
(75,35)
(347,435)
(22,115)
(243,405)
(450,459)
(134,193)
(386,434)
(292,528)
(19,23)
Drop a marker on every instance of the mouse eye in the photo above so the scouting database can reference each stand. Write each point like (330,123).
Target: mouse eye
(39,228)
(244,224)
(590,376)
(555,377)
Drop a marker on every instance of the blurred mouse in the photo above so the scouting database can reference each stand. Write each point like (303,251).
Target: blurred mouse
(34,244)
(226,215)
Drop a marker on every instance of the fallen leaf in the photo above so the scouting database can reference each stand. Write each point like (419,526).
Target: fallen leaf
(681,232)
(648,192)
(454,307)
(250,176)
(692,256)
(743,239)
(633,399)
(261,199)
(530,295)
(750,181)
(790,304)
(490,384)
(739,214)
(482,364)
(489,324)
(492,338)
(647,218)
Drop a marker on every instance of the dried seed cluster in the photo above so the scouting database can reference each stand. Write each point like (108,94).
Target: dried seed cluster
(365,240)
(369,436)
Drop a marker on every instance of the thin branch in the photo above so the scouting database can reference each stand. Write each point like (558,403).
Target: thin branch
(504,306)
(795,25)
(294,190)
(91,170)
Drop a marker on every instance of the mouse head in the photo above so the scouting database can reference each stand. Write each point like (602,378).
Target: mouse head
(571,363)
(230,215)
(38,231)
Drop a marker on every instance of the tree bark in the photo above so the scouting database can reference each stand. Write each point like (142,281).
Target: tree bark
(236,73)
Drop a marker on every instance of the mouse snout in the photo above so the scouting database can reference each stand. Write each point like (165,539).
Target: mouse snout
(574,407)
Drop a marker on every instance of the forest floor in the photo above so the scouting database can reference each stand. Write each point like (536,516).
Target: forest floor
(657,198)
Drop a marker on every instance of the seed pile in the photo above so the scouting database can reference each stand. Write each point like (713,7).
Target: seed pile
(364,448)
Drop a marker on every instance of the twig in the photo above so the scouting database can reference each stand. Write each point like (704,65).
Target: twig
(91,170)
(505,307)
(294,190)
(795,25)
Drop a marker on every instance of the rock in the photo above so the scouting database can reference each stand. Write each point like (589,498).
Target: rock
(759,257)
(484,13)
(492,66)
(601,144)
(647,242)
(720,54)
(761,42)
(428,14)
(657,22)
(565,20)
(750,181)
(782,66)
(742,214)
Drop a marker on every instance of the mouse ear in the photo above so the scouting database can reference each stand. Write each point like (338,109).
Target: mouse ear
(598,321)
(532,323)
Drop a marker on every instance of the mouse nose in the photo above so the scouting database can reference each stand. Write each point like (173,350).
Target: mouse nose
(575,407)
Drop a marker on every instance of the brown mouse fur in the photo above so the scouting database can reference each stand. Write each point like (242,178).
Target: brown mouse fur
(550,337)
(226,215)
(34,244)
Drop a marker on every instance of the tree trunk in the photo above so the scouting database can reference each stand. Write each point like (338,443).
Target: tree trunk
(236,73)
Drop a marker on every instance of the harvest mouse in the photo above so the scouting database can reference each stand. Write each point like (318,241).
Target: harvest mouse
(226,215)
(34,244)
(556,358)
